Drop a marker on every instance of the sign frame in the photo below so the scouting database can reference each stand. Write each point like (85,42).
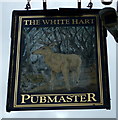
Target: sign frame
(13,98)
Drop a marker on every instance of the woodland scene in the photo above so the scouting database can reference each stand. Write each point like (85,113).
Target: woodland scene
(58,59)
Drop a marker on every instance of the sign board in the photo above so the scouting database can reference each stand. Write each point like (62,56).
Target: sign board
(58,61)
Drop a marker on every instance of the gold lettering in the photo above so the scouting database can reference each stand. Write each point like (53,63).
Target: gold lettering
(42,99)
(55,22)
(83,98)
(62,99)
(62,21)
(26,22)
(92,21)
(69,98)
(25,97)
(81,22)
(67,21)
(37,22)
(51,21)
(87,21)
(88,97)
(32,22)
(52,99)
(58,22)
(46,22)
(32,99)
(74,21)
(91,96)
(76,99)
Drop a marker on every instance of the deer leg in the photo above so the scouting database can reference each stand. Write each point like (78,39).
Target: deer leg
(77,74)
(53,76)
(66,80)
(76,78)
(73,77)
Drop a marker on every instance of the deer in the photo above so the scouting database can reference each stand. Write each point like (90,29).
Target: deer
(60,63)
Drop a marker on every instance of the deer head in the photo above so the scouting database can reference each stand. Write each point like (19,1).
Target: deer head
(45,49)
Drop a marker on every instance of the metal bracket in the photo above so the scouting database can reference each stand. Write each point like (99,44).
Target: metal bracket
(28,6)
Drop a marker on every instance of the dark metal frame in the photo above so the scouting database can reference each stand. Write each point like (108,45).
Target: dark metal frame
(60,12)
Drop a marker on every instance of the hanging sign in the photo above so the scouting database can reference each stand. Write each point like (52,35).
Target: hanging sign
(58,61)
